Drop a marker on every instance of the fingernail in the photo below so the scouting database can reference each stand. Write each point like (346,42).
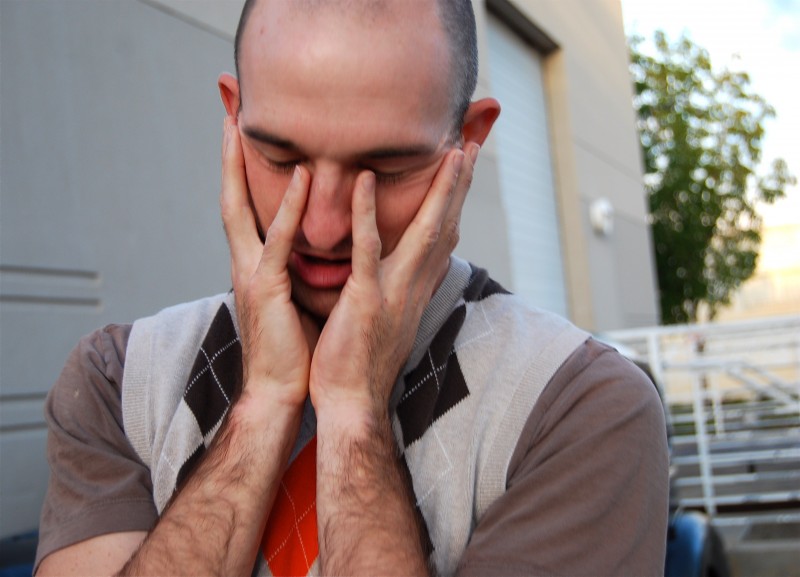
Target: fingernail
(369,181)
(296,175)
(457,162)
(473,152)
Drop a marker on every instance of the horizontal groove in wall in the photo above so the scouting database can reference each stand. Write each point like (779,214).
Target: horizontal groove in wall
(50,300)
(23,427)
(22,411)
(47,271)
(10,397)
(49,286)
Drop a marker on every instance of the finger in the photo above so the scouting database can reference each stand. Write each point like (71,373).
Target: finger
(451,223)
(423,233)
(366,240)
(281,233)
(471,150)
(237,214)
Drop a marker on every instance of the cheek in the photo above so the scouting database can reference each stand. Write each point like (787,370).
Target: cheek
(396,207)
(266,190)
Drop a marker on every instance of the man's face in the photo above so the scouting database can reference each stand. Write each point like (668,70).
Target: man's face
(342,94)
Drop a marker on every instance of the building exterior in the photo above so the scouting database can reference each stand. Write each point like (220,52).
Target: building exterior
(111,126)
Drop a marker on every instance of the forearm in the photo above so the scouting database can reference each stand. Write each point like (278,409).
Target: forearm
(215,523)
(366,515)
(367,520)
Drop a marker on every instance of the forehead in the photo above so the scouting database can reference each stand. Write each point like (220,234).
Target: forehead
(379,71)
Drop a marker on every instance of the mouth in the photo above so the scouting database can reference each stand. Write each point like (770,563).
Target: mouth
(321,273)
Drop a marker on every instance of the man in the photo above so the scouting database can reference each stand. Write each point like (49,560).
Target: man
(387,408)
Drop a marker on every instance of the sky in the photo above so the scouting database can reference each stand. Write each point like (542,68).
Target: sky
(760,37)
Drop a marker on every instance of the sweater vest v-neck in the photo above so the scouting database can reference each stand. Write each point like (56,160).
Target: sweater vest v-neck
(480,361)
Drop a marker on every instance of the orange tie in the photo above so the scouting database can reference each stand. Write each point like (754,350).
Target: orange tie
(290,540)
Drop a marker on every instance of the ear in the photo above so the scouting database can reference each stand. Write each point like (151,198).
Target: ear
(229,91)
(479,119)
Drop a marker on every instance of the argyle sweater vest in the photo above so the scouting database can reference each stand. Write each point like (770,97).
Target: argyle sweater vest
(480,361)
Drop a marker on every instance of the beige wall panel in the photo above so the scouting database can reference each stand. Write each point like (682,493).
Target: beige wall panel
(601,179)
(576,266)
(623,294)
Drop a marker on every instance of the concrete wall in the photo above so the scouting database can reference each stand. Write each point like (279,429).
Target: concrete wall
(109,173)
(109,165)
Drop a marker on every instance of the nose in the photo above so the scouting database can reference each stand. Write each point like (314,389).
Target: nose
(326,223)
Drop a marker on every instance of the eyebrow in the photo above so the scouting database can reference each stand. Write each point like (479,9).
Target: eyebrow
(267,138)
(382,153)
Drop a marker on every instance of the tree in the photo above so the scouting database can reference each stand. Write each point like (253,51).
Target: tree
(701,133)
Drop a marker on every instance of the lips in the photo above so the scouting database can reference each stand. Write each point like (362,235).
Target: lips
(321,273)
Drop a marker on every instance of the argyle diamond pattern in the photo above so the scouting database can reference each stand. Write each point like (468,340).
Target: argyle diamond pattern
(290,543)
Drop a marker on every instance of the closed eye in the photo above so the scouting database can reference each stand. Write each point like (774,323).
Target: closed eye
(287,167)
(398,162)
(284,167)
(388,179)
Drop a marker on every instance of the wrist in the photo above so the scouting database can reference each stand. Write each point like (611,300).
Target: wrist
(352,420)
(259,406)
(288,391)
(354,403)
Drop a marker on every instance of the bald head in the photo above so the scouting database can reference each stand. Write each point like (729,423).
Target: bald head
(456,20)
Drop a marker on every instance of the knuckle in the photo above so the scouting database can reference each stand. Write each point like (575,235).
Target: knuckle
(225,207)
(452,233)
(230,212)
(372,244)
(430,239)
(274,235)
(468,178)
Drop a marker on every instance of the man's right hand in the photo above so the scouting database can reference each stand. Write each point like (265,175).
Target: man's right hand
(275,336)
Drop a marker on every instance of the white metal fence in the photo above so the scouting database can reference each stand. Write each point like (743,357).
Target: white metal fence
(733,394)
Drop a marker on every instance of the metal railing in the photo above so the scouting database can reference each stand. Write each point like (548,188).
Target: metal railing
(733,397)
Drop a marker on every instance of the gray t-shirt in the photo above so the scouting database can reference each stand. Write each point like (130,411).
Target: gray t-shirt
(587,487)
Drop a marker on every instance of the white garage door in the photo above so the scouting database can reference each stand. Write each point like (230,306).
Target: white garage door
(526,174)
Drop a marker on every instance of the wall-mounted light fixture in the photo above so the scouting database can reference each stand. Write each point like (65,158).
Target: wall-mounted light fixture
(601,215)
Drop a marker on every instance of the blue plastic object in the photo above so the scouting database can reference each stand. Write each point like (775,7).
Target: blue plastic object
(686,545)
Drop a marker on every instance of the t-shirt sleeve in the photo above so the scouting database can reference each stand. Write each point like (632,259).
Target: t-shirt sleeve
(98,484)
(588,483)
